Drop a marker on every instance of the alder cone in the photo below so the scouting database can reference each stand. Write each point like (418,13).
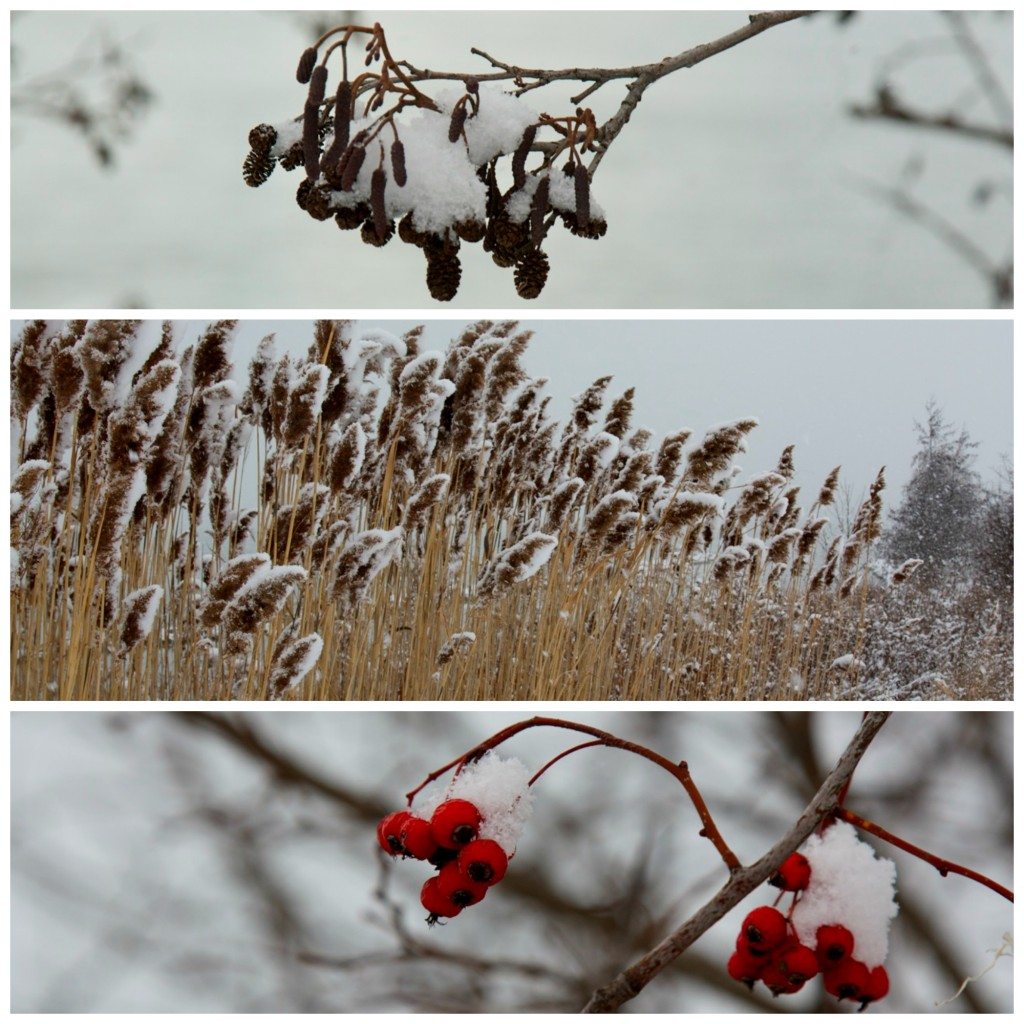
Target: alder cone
(408,233)
(318,203)
(596,227)
(371,232)
(292,157)
(303,192)
(257,168)
(262,138)
(352,217)
(531,274)
(471,231)
(508,235)
(444,272)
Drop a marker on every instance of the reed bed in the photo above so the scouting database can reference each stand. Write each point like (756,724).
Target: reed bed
(371,521)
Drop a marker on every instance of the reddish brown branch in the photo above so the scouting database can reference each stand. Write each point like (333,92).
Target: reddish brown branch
(565,753)
(679,771)
(944,867)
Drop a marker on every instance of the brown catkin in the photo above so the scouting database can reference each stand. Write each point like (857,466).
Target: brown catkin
(581,181)
(398,171)
(520,155)
(378,183)
(311,139)
(342,114)
(457,122)
(354,161)
(306,64)
(538,210)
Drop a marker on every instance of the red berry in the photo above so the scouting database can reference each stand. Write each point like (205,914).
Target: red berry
(835,944)
(794,874)
(847,981)
(418,839)
(745,968)
(754,952)
(764,928)
(455,823)
(483,860)
(453,885)
(877,986)
(779,982)
(442,855)
(436,903)
(798,963)
(389,831)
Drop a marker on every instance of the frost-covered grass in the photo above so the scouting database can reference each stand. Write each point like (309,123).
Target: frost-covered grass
(371,521)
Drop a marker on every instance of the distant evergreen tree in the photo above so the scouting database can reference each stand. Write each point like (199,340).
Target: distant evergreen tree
(995,550)
(939,517)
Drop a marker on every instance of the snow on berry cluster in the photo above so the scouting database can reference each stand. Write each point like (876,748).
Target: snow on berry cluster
(381,152)
(468,832)
(843,898)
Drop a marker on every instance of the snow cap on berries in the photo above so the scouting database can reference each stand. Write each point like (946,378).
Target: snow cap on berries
(851,886)
(499,789)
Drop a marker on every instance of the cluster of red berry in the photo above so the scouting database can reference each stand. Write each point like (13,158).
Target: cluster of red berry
(467,865)
(768,949)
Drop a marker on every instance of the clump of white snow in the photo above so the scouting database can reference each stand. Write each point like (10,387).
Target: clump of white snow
(850,886)
(499,789)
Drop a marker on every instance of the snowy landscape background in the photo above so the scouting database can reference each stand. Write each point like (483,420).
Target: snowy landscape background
(174,871)
(737,184)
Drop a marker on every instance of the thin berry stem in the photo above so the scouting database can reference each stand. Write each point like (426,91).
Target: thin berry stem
(679,771)
(944,867)
(565,753)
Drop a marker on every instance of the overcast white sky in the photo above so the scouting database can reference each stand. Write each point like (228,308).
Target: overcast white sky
(733,185)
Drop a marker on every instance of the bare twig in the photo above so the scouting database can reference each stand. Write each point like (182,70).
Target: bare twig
(635,978)
(999,278)
(944,867)
(888,108)
(1000,101)
(640,76)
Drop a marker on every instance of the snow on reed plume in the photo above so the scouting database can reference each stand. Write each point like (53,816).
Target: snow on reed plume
(368,519)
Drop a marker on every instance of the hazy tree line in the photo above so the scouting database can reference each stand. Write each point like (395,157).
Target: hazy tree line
(961,527)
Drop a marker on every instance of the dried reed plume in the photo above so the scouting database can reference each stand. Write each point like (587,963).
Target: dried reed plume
(368,520)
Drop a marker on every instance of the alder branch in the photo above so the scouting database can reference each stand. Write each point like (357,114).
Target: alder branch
(641,76)
(632,981)
(888,108)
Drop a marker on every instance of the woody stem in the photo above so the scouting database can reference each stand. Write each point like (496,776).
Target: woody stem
(944,867)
